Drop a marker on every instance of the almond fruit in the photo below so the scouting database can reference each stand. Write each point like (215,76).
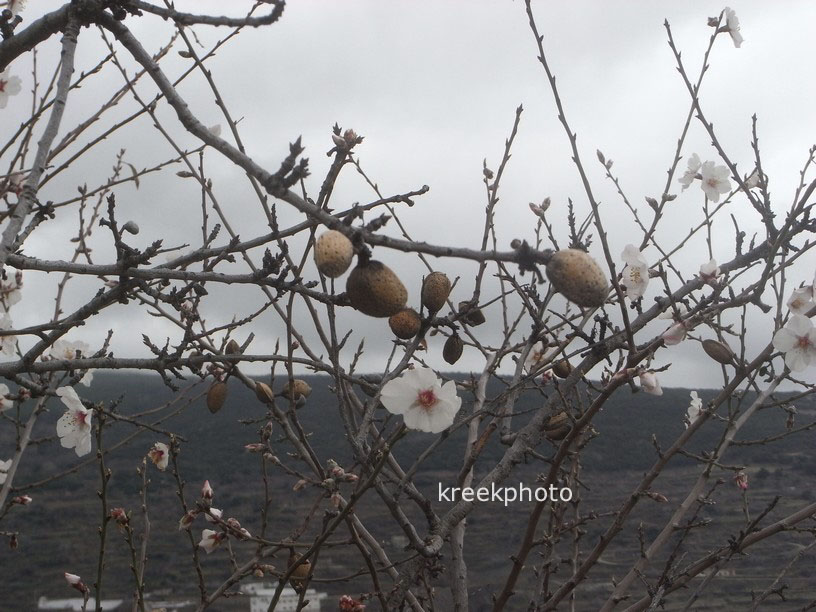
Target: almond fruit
(435,291)
(578,277)
(333,253)
(374,289)
(405,324)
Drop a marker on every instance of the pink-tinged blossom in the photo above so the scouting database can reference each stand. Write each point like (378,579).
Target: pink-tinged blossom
(5,402)
(5,466)
(120,517)
(213,515)
(675,334)
(635,275)
(186,521)
(732,26)
(10,293)
(9,86)
(206,491)
(650,384)
(16,6)
(691,172)
(753,180)
(22,500)
(801,300)
(669,313)
(741,480)
(75,582)
(237,530)
(714,180)
(7,343)
(537,354)
(423,401)
(159,455)
(255,447)
(349,604)
(695,409)
(210,540)
(74,427)
(798,341)
(710,271)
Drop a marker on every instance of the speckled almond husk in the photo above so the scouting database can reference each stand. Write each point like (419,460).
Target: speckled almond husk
(374,289)
(435,291)
(405,324)
(296,389)
(333,253)
(578,277)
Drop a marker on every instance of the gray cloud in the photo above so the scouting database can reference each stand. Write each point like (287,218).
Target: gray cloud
(433,87)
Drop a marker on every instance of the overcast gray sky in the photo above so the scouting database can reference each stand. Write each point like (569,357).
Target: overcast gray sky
(433,87)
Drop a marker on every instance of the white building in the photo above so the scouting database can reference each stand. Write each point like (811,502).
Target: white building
(75,604)
(260,596)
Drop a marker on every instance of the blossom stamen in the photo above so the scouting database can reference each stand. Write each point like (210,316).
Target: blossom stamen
(427,398)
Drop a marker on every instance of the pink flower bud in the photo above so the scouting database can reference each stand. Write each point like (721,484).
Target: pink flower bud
(75,582)
(120,516)
(741,479)
(255,447)
(23,500)
(206,491)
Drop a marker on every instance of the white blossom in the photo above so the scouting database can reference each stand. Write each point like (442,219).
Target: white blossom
(675,334)
(752,180)
(649,383)
(422,400)
(536,355)
(5,403)
(710,271)
(16,6)
(64,349)
(732,26)
(669,312)
(7,343)
(5,466)
(714,180)
(694,409)
(801,300)
(691,172)
(210,540)
(9,86)
(159,455)
(798,341)
(74,427)
(635,273)
(213,515)
(10,289)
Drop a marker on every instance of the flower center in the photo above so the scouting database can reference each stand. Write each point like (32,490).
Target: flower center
(79,418)
(427,398)
(2,85)
(634,274)
(803,342)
